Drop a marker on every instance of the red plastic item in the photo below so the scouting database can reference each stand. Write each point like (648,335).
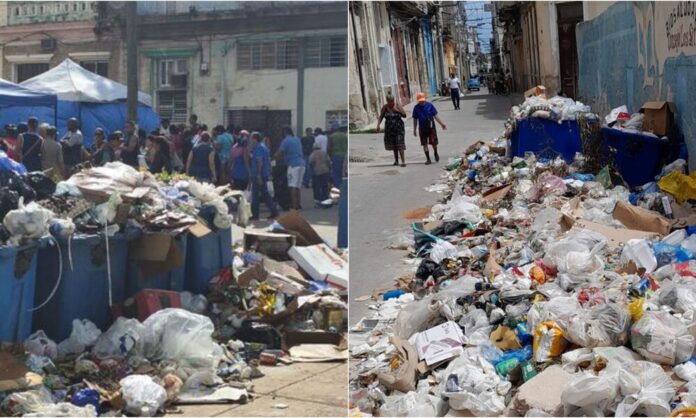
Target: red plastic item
(146,302)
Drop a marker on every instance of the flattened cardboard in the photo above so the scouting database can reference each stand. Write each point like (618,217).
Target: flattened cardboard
(274,245)
(14,374)
(404,379)
(495,194)
(199,230)
(293,338)
(440,343)
(615,236)
(321,263)
(659,117)
(298,226)
(156,253)
(634,217)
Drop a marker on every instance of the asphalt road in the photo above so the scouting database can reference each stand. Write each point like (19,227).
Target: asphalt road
(380,193)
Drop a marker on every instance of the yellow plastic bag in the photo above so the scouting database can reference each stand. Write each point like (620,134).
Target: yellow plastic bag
(635,308)
(549,341)
(681,186)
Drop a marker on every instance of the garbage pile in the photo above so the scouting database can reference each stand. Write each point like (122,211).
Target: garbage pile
(272,306)
(537,288)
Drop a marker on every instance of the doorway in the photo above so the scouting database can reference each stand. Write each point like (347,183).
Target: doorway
(569,15)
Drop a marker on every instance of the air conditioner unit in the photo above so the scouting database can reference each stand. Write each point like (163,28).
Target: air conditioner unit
(48,44)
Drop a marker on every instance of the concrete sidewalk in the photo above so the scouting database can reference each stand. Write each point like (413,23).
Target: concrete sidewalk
(300,389)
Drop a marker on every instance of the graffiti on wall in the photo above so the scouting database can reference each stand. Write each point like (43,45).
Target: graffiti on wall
(680,26)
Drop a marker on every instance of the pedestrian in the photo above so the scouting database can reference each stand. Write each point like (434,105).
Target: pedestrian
(164,128)
(321,169)
(30,144)
(131,145)
(260,172)
(454,86)
(239,162)
(424,117)
(201,161)
(52,155)
(290,151)
(161,157)
(112,150)
(321,139)
(338,148)
(307,148)
(96,152)
(193,123)
(186,143)
(10,141)
(223,143)
(394,130)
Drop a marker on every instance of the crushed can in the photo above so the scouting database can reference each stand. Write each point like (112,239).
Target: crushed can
(268,359)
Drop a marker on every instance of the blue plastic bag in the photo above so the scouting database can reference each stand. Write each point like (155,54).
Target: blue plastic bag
(8,164)
(523,334)
(86,397)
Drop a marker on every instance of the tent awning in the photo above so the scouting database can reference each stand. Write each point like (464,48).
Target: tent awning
(12,94)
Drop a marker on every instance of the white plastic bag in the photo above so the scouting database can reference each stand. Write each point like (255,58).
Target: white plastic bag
(39,344)
(614,114)
(686,371)
(141,395)
(412,404)
(124,337)
(604,325)
(193,303)
(182,336)
(662,338)
(589,395)
(638,251)
(442,250)
(64,409)
(21,403)
(647,390)
(84,334)
(463,209)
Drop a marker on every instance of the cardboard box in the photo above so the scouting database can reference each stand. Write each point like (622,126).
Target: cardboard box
(536,91)
(274,245)
(321,263)
(440,343)
(156,254)
(659,117)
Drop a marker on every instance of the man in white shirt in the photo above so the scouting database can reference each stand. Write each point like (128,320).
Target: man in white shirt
(454,90)
(321,139)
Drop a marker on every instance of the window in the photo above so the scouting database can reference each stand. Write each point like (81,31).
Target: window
(269,55)
(65,7)
(84,6)
(336,118)
(326,52)
(173,73)
(26,71)
(97,67)
(16,11)
(172,105)
(74,7)
(41,9)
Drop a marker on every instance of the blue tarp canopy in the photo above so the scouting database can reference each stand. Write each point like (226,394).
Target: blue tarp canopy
(17,103)
(96,101)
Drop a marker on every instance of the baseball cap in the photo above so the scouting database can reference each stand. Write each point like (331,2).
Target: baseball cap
(420,97)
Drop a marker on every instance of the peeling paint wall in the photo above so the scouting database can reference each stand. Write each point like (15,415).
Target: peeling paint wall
(639,51)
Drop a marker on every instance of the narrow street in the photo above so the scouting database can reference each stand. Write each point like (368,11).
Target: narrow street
(382,193)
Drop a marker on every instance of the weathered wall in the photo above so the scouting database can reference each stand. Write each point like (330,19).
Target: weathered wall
(592,9)
(640,51)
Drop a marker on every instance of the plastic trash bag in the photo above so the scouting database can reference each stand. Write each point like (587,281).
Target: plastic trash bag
(39,344)
(442,250)
(686,371)
(589,395)
(679,185)
(193,303)
(141,395)
(638,251)
(416,316)
(660,337)
(604,325)
(413,404)
(184,337)
(27,222)
(84,334)
(472,384)
(647,390)
(614,114)
(463,208)
(124,337)
(549,341)
(21,403)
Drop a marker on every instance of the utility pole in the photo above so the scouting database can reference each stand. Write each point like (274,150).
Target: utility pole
(132,58)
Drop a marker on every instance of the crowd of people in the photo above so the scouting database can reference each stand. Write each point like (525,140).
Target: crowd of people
(221,156)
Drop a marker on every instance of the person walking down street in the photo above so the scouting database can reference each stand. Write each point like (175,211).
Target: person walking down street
(260,173)
(239,162)
(161,156)
(223,147)
(321,167)
(131,145)
(424,117)
(30,144)
(338,148)
(291,152)
(394,130)
(201,161)
(307,148)
(455,87)
(52,155)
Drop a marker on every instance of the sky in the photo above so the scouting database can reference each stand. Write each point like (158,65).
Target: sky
(475,15)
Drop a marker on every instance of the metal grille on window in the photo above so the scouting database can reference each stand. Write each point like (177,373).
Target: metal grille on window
(268,55)
(326,52)
(172,105)
(27,71)
(336,118)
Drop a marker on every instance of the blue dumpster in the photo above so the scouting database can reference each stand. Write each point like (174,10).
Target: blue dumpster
(546,138)
(17,284)
(205,257)
(172,280)
(638,158)
(343,215)
(84,290)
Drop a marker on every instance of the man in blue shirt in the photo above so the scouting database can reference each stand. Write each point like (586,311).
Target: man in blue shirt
(260,172)
(424,117)
(291,152)
(223,145)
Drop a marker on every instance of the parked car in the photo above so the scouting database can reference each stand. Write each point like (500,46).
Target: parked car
(473,84)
